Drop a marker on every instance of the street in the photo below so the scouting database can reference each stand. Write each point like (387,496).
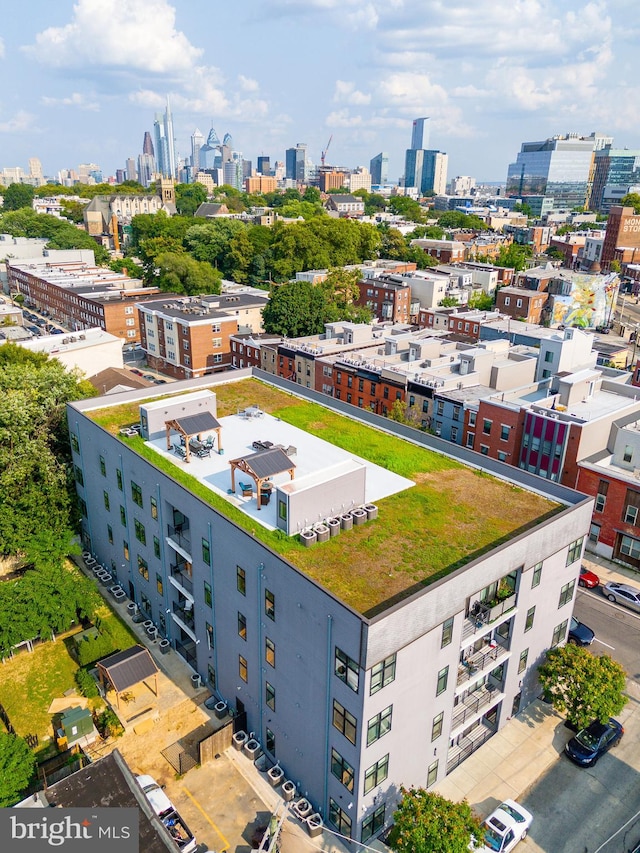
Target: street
(579,809)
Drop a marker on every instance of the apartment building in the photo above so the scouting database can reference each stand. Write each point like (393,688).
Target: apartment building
(521,304)
(445,251)
(388,297)
(357,688)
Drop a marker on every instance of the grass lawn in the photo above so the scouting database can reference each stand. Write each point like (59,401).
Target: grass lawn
(451,516)
(31,680)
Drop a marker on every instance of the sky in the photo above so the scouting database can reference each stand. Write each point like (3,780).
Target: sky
(82,80)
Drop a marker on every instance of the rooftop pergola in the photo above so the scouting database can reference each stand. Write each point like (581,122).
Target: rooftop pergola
(193,425)
(123,670)
(262,466)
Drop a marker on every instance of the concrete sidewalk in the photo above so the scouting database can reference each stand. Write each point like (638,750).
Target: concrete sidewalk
(607,570)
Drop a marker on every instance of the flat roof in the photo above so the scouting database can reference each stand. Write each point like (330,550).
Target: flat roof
(435,514)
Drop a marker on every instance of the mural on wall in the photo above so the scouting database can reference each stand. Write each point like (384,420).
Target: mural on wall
(590,303)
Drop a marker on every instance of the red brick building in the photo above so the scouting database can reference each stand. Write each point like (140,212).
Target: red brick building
(388,297)
(623,231)
(521,304)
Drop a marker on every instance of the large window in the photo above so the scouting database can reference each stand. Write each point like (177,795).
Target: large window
(75,444)
(154,508)
(383,673)
(206,552)
(270,604)
(339,818)
(78,475)
(242,626)
(531,612)
(575,551)
(443,679)
(270,652)
(107,502)
(208,595)
(379,725)
(103,467)
(447,632)
(110,534)
(630,547)
(123,517)
(537,574)
(376,774)
(432,774)
(156,547)
(159,584)
(119,478)
(342,770)
(143,567)
(242,668)
(141,534)
(373,823)
(270,696)
(436,726)
(559,633)
(136,493)
(345,722)
(522,664)
(241,580)
(566,593)
(209,630)
(346,669)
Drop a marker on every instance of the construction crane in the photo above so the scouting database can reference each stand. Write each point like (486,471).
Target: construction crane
(326,148)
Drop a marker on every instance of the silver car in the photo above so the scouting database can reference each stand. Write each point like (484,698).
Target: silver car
(622,593)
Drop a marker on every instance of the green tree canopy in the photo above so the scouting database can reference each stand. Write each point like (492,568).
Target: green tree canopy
(295,309)
(429,823)
(480,301)
(17,196)
(132,269)
(631,200)
(17,764)
(407,207)
(189,197)
(59,233)
(177,272)
(581,685)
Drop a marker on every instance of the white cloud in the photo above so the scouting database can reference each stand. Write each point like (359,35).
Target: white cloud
(138,34)
(354,14)
(76,99)
(343,118)
(347,93)
(247,84)
(18,123)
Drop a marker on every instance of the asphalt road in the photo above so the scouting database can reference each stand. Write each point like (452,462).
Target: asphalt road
(579,809)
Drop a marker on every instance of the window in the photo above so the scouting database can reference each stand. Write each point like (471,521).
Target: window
(159,585)
(447,632)
(456,412)
(209,631)
(440,407)
(270,651)
(486,426)
(143,567)
(379,725)
(575,551)
(208,597)
(339,818)
(242,668)
(627,456)
(559,633)
(470,439)
(601,497)
(594,531)
(154,508)
(345,722)
(443,678)
(156,547)
(566,593)
(145,604)
(119,478)
(342,770)
(436,726)
(78,475)
(504,432)
(206,552)
(241,580)
(125,549)
(432,774)
(472,419)
(548,356)
(123,517)
(376,774)
(383,673)
(110,534)
(270,696)
(103,467)
(107,502)
(270,604)
(484,449)
(141,534)
(136,493)
(242,626)
(537,574)
(631,515)
(346,669)
(522,664)
(531,612)
(630,547)
(271,742)
(74,442)
(502,457)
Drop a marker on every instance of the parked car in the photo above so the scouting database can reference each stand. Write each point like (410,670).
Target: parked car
(579,633)
(622,593)
(56,332)
(160,803)
(164,808)
(587,578)
(590,743)
(137,372)
(160,381)
(34,330)
(149,377)
(504,828)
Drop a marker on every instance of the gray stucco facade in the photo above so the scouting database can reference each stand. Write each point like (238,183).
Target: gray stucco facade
(352,708)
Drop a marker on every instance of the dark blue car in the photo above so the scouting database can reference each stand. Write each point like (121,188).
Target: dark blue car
(588,745)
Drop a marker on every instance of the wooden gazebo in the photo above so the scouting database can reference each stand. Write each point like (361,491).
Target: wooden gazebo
(193,426)
(123,670)
(261,467)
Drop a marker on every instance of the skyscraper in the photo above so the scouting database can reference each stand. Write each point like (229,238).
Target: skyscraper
(146,169)
(616,171)
(379,168)
(554,174)
(296,162)
(165,143)
(132,174)
(171,143)
(197,141)
(264,165)
(420,125)
(147,144)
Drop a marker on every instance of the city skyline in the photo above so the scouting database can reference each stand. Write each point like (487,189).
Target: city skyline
(87,78)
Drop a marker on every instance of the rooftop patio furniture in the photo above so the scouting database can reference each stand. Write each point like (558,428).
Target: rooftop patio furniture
(180,451)
(246,489)
(203,451)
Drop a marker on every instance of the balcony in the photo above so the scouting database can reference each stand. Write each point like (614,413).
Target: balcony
(467,745)
(180,540)
(472,706)
(181,577)
(485,615)
(476,664)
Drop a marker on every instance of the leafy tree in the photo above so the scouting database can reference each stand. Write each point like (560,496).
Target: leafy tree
(312,194)
(581,685)
(132,269)
(428,232)
(448,302)
(295,309)
(631,200)
(17,764)
(523,208)
(514,256)
(189,197)
(59,233)
(457,219)
(407,207)
(480,301)
(17,196)
(554,253)
(73,211)
(428,823)
(177,272)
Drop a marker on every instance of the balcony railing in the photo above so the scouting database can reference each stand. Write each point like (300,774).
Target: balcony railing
(188,651)
(468,745)
(184,615)
(180,573)
(471,704)
(180,535)
(474,664)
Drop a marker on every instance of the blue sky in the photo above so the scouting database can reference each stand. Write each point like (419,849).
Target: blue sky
(83,79)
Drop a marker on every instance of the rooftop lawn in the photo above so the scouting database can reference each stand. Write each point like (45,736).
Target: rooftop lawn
(451,516)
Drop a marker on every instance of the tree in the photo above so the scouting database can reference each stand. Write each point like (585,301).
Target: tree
(631,200)
(429,823)
(17,196)
(448,302)
(177,272)
(295,309)
(312,194)
(514,256)
(581,685)
(17,764)
(189,197)
(132,269)
(407,207)
(480,301)
(73,210)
